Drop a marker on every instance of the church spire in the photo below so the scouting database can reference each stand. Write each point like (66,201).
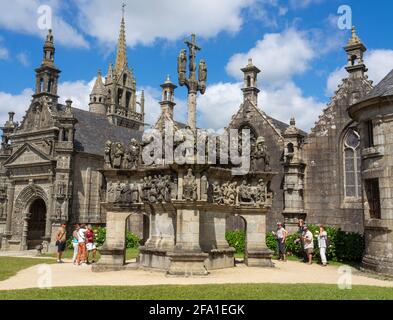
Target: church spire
(121,56)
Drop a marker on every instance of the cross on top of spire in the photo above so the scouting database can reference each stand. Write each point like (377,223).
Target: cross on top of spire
(123,8)
(121,56)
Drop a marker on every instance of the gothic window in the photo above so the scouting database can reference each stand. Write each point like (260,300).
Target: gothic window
(369,134)
(352,164)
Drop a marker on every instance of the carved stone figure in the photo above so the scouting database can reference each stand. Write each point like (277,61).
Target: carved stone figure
(110,193)
(134,193)
(245,193)
(217,194)
(189,187)
(204,188)
(108,154)
(260,194)
(230,194)
(131,159)
(182,66)
(260,159)
(118,155)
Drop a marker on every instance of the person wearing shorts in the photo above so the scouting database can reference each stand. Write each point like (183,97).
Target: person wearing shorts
(82,256)
(90,245)
(61,240)
(308,239)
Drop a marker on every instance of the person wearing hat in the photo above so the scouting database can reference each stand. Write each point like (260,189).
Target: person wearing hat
(281,236)
(308,239)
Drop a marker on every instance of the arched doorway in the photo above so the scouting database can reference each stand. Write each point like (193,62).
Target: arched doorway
(36,224)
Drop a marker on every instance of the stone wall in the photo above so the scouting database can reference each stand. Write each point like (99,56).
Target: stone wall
(87,183)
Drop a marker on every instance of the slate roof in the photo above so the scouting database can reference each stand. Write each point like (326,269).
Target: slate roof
(93,130)
(282,126)
(382,89)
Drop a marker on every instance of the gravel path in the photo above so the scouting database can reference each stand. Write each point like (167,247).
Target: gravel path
(64,275)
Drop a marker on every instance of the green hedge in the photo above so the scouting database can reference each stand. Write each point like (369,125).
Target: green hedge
(132,240)
(237,240)
(343,246)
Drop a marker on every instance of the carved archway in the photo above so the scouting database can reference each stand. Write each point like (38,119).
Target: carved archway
(23,204)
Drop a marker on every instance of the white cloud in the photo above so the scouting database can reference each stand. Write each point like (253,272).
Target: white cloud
(279,55)
(78,91)
(4,53)
(149,20)
(219,103)
(17,103)
(379,63)
(23,58)
(222,100)
(22,16)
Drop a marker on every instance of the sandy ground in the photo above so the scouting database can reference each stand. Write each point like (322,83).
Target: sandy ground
(63,275)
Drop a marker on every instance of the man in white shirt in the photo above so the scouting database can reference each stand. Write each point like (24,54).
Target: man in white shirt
(308,239)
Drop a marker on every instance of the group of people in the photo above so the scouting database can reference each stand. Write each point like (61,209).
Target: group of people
(82,241)
(306,240)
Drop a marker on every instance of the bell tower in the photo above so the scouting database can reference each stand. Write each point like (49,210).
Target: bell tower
(250,90)
(47,75)
(355,50)
(168,97)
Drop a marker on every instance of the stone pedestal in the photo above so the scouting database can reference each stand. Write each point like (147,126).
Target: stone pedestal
(187,264)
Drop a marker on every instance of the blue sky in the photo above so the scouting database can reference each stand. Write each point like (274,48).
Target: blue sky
(296,43)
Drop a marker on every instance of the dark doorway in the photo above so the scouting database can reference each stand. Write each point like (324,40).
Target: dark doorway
(37,223)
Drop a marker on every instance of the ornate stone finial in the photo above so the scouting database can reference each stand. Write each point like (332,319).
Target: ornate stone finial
(250,62)
(292,122)
(68,105)
(168,79)
(354,40)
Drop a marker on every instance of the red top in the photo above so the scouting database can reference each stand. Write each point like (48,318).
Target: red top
(89,236)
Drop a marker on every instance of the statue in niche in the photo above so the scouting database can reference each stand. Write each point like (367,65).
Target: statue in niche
(118,155)
(260,159)
(61,188)
(145,188)
(174,189)
(189,187)
(108,154)
(153,192)
(2,211)
(245,193)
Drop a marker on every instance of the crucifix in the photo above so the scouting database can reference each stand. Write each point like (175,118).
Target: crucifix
(192,83)
(123,8)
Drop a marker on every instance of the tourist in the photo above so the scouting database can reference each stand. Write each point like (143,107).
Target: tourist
(281,236)
(301,232)
(61,240)
(90,245)
(81,258)
(75,243)
(308,240)
(323,244)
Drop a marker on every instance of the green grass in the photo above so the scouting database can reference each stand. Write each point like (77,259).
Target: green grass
(131,253)
(206,292)
(10,266)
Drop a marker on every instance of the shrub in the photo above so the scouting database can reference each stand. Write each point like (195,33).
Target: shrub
(343,246)
(132,240)
(236,239)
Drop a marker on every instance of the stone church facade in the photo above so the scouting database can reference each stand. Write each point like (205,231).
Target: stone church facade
(51,162)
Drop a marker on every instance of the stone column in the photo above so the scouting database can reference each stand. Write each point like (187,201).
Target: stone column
(192,110)
(10,207)
(25,231)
